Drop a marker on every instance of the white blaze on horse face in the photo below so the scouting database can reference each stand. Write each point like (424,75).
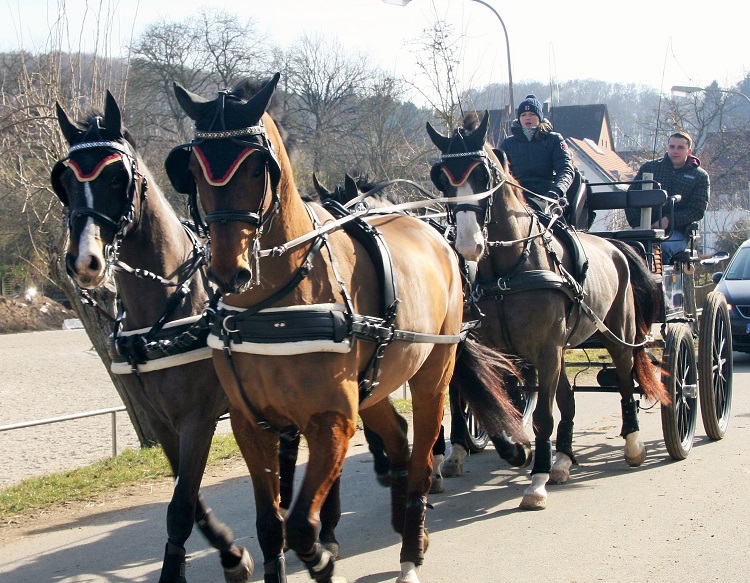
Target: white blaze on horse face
(90,264)
(469,239)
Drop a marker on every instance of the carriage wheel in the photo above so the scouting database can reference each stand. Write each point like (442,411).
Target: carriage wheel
(525,401)
(477,437)
(680,377)
(715,365)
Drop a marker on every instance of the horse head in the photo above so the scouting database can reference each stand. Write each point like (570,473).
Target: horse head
(469,168)
(237,165)
(97,184)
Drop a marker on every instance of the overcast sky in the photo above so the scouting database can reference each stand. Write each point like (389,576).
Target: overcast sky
(653,42)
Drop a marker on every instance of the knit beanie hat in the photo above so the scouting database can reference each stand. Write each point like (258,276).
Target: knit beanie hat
(532,104)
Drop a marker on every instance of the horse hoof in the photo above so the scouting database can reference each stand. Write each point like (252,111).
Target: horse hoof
(408,573)
(635,451)
(384,480)
(558,476)
(636,460)
(533,502)
(243,571)
(523,456)
(454,463)
(560,472)
(437,486)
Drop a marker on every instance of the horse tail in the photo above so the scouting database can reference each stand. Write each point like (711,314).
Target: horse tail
(479,376)
(648,301)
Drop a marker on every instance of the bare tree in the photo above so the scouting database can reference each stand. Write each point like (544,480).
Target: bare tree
(436,51)
(324,83)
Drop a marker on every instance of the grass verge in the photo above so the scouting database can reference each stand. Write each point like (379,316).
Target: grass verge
(132,466)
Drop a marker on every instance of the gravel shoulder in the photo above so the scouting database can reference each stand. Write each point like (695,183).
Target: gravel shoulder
(50,374)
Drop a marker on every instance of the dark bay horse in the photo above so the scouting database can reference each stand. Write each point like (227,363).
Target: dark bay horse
(320,322)
(539,296)
(116,211)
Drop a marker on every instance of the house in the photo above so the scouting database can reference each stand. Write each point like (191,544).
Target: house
(588,132)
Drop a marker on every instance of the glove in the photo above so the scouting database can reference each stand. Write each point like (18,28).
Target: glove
(556,194)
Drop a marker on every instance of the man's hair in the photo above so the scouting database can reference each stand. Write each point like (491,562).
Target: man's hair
(684,135)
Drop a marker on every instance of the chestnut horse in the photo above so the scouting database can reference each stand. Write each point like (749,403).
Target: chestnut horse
(322,319)
(539,296)
(117,214)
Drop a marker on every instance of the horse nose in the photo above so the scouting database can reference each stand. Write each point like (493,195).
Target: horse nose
(235,284)
(85,269)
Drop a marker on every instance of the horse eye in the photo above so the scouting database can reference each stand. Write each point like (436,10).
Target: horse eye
(258,171)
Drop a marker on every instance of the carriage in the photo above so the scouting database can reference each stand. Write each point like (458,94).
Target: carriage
(691,341)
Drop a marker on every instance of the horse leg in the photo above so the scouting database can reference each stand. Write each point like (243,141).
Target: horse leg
(260,450)
(330,514)
(194,449)
(428,418)
(328,435)
(635,450)
(438,457)
(535,496)
(564,458)
(288,451)
(384,420)
(454,463)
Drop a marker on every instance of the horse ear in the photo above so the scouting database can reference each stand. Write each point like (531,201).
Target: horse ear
(70,130)
(192,104)
(322,191)
(112,116)
(478,136)
(350,187)
(258,103)
(439,140)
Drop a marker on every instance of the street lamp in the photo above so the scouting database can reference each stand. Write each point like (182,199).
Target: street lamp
(684,91)
(507,47)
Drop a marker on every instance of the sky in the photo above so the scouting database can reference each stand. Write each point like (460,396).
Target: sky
(653,42)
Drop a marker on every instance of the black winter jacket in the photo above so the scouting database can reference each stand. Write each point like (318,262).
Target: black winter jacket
(691,182)
(542,164)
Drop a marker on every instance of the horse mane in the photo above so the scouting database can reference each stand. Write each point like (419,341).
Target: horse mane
(471,121)
(364,185)
(87,122)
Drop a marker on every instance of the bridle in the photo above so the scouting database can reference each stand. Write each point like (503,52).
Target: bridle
(250,139)
(483,206)
(125,221)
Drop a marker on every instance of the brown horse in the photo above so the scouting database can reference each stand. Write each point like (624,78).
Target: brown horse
(117,214)
(323,318)
(539,296)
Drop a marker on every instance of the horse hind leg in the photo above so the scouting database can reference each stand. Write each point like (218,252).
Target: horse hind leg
(635,450)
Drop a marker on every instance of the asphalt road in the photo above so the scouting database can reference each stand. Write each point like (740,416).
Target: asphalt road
(664,522)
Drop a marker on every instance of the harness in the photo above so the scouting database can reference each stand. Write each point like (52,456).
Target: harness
(166,343)
(322,327)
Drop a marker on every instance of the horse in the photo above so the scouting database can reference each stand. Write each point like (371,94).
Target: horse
(118,215)
(321,319)
(540,292)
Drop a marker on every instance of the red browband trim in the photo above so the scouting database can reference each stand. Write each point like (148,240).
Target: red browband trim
(464,177)
(81,176)
(222,181)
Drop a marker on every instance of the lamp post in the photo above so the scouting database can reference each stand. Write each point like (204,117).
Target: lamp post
(507,48)
(684,91)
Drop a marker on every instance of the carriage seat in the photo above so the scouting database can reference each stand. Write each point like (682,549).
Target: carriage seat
(609,200)
(578,214)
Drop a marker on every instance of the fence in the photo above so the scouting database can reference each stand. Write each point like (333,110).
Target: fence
(110,411)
